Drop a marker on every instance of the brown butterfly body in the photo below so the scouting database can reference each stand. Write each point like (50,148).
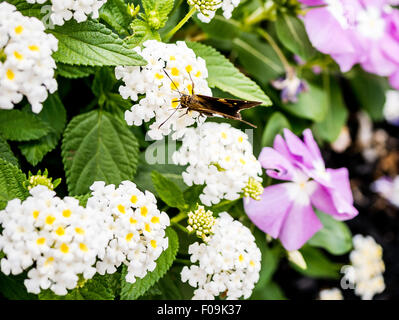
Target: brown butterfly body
(211,106)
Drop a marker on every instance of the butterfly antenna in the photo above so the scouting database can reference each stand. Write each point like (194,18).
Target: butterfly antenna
(174,84)
(192,83)
(178,107)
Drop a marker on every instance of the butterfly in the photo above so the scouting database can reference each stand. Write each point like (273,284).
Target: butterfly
(211,106)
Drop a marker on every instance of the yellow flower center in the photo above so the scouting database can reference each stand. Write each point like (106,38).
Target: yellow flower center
(19,29)
(175,103)
(41,241)
(64,248)
(67,213)
(18,56)
(190,89)
(175,72)
(174,85)
(133,221)
(83,247)
(79,231)
(147,227)
(172,58)
(33,47)
(198,74)
(121,208)
(241,258)
(189,68)
(129,237)
(240,139)
(50,220)
(144,211)
(10,74)
(60,231)
(224,135)
(159,76)
(133,199)
(35,214)
(49,261)
(153,243)
(155,219)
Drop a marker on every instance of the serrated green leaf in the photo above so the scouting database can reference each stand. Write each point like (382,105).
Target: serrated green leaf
(97,288)
(258,58)
(311,104)
(335,236)
(54,115)
(90,43)
(74,72)
(225,76)
(220,28)
(16,125)
(168,191)
(11,183)
(141,33)
(275,125)
(98,147)
(131,291)
(318,265)
(6,153)
(114,12)
(293,36)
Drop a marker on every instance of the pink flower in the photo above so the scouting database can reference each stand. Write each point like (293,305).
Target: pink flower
(285,210)
(364,32)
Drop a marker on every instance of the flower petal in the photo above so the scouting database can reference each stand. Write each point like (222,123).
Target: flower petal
(276,165)
(268,214)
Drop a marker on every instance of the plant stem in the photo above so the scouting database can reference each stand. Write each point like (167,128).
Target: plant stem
(180,24)
(182,215)
(183,261)
(277,50)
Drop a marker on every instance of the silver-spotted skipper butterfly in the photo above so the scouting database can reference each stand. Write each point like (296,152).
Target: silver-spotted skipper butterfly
(211,106)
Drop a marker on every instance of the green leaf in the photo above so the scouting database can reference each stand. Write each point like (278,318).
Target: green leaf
(103,82)
(13,288)
(16,125)
(335,236)
(318,265)
(74,72)
(271,291)
(114,13)
(90,43)
(169,171)
(157,12)
(141,33)
(191,195)
(83,199)
(337,114)
(131,291)
(220,28)
(275,125)
(370,91)
(293,36)
(225,76)
(168,191)
(258,58)
(6,153)
(222,206)
(29,9)
(54,115)
(98,147)
(97,288)
(311,104)
(11,183)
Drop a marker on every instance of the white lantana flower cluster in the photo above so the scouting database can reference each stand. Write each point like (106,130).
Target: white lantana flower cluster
(59,238)
(207,8)
(229,263)
(366,267)
(26,65)
(387,188)
(219,156)
(64,10)
(161,94)
(136,227)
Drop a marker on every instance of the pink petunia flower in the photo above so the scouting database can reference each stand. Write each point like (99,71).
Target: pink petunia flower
(364,32)
(286,210)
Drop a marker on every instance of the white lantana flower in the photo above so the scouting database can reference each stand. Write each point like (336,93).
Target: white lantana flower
(161,95)
(136,226)
(387,188)
(220,157)
(330,294)
(64,10)
(228,263)
(26,65)
(366,267)
(391,107)
(59,238)
(207,8)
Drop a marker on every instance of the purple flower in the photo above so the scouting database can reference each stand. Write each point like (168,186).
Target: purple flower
(285,210)
(357,31)
(291,86)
